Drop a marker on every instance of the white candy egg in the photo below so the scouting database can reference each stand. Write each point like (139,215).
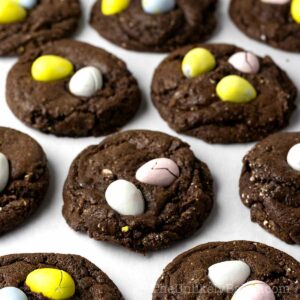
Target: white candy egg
(12,293)
(229,275)
(28,4)
(293,157)
(158,6)
(125,198)
(4,171)
(86,82)
(245,62)
(278,2)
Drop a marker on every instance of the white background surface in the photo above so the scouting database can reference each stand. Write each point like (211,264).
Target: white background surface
(134,274)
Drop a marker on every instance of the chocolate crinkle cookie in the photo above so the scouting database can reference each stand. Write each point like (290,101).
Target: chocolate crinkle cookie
(24,177)
(274,22)
(53,276)
(27,24)
(236,270)
(143,190)
(154,26)
(222,94)
(270,184)
(70,88)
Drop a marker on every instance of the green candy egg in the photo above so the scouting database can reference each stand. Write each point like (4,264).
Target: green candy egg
(51,283)
(235,89)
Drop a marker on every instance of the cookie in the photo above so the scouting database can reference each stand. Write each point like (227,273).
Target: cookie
(222,94)
(33,23)
(69,88)
(76,276)
(219,270)
(139,189)
(24,177)
(154,26)
(267,22)
(269,185)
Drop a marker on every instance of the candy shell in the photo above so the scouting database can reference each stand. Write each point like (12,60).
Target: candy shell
(295,10)
(113,7)
(11,12)
(12,293)
(235,89)
(254,290)
(293,157)
(198,61)
(158,6)
(28,4)
(49,68)
(276,2)
(4,171)
(245,62)
(160,171)
(125,198)
(228,275)
(51,283)
(86,82)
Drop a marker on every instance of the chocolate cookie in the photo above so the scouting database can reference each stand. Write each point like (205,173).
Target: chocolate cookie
(258,97)
(24,177)
(155,26)
(140,189)
(267,22)
(36,23)
(90,282)
(219,270)
(270,183)
(107,94)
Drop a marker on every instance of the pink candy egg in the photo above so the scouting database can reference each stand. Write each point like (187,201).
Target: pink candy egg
(254,290)
(160,171)
(245,62)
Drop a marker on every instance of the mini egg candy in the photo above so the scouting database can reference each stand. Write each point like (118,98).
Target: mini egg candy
(4,171)
(245,62)
(49,68)
(86,82)
(113,7)
(28,4)
(12,293)
(51,283)
(161,172)
(11,12)
(158,6)
(293,157)
(235,89)
(198,61)
(254,290)
(295,10)
(276,2)
(229,275)
(125,198)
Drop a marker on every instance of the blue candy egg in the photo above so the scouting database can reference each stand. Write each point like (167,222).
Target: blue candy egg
(12,293)
(158,6)
(28,4)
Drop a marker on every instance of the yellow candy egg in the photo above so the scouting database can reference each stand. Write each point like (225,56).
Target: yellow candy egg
(112,7)
(236,89)
(51,283)
(198,61)
(295,10)
(49,68)
(11,12)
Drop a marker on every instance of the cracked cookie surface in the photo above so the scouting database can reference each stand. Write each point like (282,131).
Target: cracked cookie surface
(267,23)
(90,282)
(48,20)
(172,213)
(186,277)
(191,106)
(190,22)
(51,108)
(270,187)
(28,178)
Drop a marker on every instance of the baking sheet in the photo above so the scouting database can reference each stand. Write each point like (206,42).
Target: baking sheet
(134,274)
